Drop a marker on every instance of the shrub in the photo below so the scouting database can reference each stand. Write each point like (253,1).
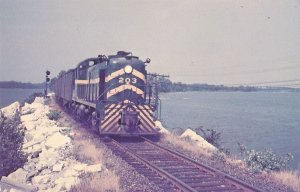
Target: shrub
(210,135)
(11,140)
(53,115)
(266,160)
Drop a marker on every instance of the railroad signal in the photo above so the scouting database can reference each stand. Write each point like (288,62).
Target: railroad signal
(47,80)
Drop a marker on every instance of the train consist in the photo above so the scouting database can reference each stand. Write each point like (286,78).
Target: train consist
(112,94)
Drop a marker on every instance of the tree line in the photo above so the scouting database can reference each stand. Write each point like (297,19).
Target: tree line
(166,85)
(15,84)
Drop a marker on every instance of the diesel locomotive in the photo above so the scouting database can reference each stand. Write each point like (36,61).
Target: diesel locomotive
(112,94)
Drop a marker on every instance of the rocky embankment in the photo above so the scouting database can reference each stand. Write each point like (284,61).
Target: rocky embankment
(51,165)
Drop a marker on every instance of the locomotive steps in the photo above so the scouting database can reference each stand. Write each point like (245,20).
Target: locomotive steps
(64,156)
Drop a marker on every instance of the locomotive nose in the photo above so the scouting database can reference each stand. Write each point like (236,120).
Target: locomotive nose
(129,121)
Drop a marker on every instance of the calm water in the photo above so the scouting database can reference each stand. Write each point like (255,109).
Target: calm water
(257,119)
(8,96)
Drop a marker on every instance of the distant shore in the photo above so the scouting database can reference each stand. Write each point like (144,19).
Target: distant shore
(15,84)
(167,86)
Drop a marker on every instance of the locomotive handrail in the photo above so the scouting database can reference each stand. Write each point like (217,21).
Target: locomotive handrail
(105,91)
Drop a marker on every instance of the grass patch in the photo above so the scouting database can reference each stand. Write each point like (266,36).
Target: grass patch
(105,181)
(186,144)
(289,178)
(87,151)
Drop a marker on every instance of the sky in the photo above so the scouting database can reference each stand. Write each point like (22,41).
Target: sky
(193,41)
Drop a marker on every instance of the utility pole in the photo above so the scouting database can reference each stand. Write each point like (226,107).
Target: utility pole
(47,80)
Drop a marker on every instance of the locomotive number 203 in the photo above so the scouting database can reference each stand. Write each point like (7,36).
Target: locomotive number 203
(127,80)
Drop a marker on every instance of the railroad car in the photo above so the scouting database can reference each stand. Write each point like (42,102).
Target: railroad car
(112,94)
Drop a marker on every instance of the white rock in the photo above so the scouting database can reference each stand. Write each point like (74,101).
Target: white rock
(14,190)
(19,176)
(39,179)
(32,142)
(26,108)
(28,124)
(93,168)
(52,161)
(27,118)
(66,183)
(58,187)
(37,147)
(46,172)
(57,140)
(70,173)
(45,122)
(57,167)
(11,110)
(36,105)
(162,129)
(39,100)
(199,140)
(79,167)
(45,155)
(44,131)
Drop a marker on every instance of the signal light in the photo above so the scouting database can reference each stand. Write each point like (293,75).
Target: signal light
(147,60)
(47,72)
(47,79)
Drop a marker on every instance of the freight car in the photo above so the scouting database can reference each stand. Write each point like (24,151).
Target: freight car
(112,94)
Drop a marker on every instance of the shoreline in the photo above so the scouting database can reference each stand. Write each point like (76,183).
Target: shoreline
(60,175)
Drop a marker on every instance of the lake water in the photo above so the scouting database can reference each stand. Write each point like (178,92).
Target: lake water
(8,96)
(257,119)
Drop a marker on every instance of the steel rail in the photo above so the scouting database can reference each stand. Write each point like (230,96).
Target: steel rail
(178,183)
(242,184)
(214,179)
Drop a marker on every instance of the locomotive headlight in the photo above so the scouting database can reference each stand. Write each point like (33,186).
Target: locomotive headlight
(128,69)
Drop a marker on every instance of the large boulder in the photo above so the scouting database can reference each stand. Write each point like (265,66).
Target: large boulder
(161,128)
(93,168)
(57,167)
(57,140)
(199,140)
(28,124)
(11,110)
(79,166)
(18,176)
(27,118)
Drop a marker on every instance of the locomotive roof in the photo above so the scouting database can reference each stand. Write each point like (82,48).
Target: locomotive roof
(87,61)
(120,54)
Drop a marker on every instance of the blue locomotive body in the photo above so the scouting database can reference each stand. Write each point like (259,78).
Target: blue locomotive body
(112,94)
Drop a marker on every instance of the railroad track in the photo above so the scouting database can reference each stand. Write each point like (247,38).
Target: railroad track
(172,171)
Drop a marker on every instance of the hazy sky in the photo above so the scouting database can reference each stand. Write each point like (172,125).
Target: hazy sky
(201,41)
